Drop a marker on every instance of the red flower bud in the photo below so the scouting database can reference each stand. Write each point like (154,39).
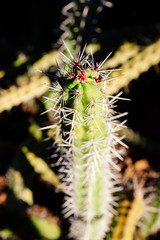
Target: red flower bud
(82,76)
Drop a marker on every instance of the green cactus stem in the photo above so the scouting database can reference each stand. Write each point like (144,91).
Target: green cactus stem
(85,140)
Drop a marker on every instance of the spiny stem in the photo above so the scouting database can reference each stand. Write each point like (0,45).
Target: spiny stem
(87,146)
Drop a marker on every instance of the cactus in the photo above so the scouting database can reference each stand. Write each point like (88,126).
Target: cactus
(41,167)
(120,220)
(151,222)
(132,69)
(17,95)
(85,137)
(16,184)
(137,211)
(126,51)
(80,21)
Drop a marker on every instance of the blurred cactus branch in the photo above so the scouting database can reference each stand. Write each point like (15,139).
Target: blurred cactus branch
(41,168)
(15,96)
(151,224)
(81,22)
(135,66)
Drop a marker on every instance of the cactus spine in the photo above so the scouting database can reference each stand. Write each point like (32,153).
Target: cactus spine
(86,137)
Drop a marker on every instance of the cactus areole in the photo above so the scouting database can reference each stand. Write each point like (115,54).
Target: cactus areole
(85,139)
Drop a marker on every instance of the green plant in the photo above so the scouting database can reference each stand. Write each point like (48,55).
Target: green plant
(85,136)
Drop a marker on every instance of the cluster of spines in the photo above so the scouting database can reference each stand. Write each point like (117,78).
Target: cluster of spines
(86,137)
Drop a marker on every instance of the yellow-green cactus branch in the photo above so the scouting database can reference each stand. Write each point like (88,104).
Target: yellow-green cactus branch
(2,73)
(132,69)
(46,228)
(21,59)
(41,168)
(46,61)
(15,96)
(151,223)
(35,131)
(133,217)
(134,211)
(16,184)
(6,233)
(126,51)
(121,220)
(92,47)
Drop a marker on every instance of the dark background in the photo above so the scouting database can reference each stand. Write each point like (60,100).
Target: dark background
(32,26)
